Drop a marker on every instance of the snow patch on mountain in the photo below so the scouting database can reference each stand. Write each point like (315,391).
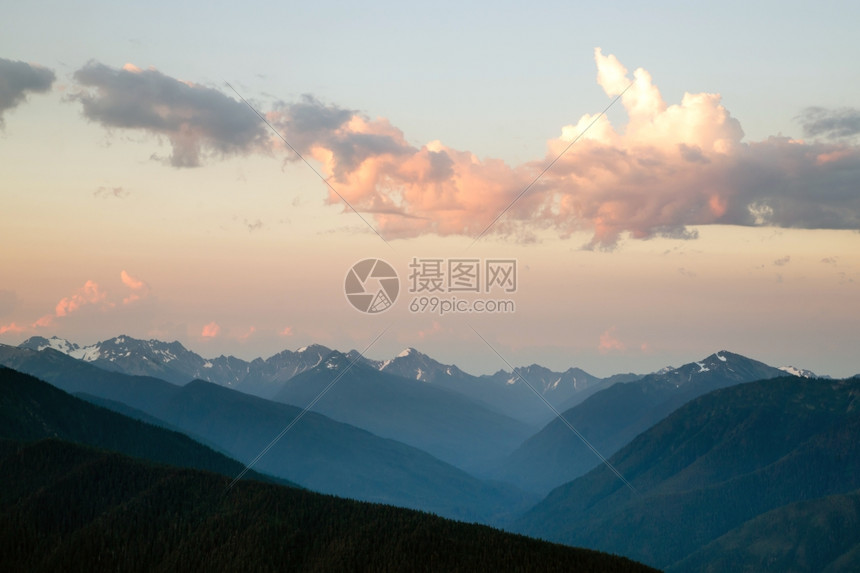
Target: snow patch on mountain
(799,372)
(87,353)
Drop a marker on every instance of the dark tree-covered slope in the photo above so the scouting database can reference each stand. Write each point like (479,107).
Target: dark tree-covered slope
(610,418)
(67,507)
(32,410)
(712,466)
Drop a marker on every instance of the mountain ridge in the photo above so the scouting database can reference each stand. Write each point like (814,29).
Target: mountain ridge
(319,453)
(713,465)
(613,416)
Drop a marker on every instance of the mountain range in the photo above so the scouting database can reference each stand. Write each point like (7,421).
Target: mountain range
(731,464)
(442,422)
(721,473)
(612,417)
(65,504)
(319,453)
(503,391)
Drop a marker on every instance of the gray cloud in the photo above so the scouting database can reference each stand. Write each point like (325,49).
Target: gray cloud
(832,124)
(17,79)
(782,183)
(197,120)
(692,154)
(117,192)
(311,123)
(782,261)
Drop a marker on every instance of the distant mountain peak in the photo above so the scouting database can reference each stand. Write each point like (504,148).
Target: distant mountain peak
(39,343)
(336,360)
(799,372)
(413,364)
(313,348)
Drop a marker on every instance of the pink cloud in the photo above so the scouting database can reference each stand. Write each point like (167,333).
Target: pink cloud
(435,328)
(608,342)
(669,167)
(247,334)
(45,321)
(140,288)
(90,293)
(130,281)
(11,328)
(210,330)
(287,331)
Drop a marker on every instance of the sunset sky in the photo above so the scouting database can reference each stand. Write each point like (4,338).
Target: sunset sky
(715,206)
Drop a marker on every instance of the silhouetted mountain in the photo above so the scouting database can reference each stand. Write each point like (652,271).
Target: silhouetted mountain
(318,452)
(67,507)
(175,363)
(168,361)
(439,421)
(76,376)
(503,391)
(710,468)
(612,417)
(31,410)
(266,377)
(55,342)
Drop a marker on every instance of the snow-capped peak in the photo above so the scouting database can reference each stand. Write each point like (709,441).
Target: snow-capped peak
(57,343)
(87,353)
(405,352)
(799,372)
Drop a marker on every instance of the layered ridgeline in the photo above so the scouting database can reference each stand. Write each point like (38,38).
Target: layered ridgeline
(66,507)
(442,422)
(503,392)
(506,392)
(172,362)
(612,417)
(318,453)
(32,410)
(736,480)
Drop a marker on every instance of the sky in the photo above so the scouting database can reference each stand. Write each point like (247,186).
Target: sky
(209,173)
